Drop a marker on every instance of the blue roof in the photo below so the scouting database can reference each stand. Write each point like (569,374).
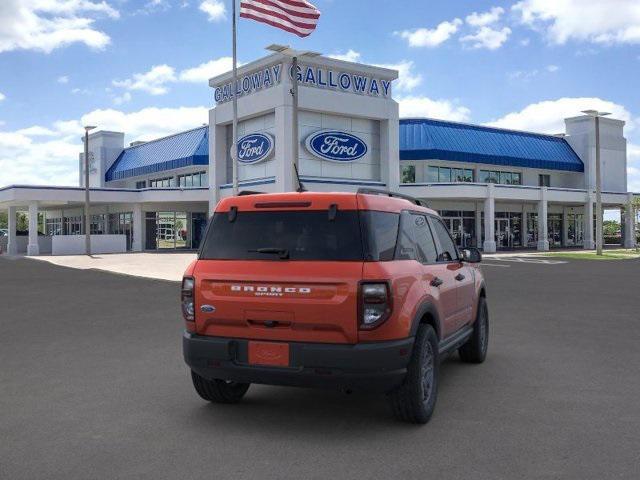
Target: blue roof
(176,151)
(427,139)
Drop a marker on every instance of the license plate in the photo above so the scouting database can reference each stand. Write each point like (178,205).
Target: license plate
(269,353)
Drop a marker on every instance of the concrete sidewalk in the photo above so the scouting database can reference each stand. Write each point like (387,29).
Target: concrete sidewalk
(163,266)
(171,266)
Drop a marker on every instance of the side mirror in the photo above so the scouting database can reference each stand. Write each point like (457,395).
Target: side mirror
(471,255)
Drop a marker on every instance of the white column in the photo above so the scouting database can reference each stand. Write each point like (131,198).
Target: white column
(565,227)
(489,245)
(285,181)
(12,245)
(629,224)
(478,225)
(136,244)
(107,228)
(32,247)
(589,242)
(390,152)
(543,240)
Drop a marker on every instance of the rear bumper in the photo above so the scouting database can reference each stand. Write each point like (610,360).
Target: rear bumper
(379,366)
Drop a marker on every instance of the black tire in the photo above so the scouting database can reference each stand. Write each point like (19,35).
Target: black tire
(415,400)
(219,391)
(475,350)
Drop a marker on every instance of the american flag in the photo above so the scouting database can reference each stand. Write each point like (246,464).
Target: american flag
(294,16)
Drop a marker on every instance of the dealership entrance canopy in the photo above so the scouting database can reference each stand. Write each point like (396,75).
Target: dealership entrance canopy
(495,188)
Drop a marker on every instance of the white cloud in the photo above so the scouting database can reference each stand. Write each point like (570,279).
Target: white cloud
(2,96)
(148,123)
(154,81)
(486,18)
(214,9)
(525,42)
(548,116)
(420,106)
(157,80)
(424,37)
(120,99)
(349,56)
(526,75)
(487,37)
(407,78)
(633,167)
(36,131)
(203,72)
(45,25)
(523,75)
(49,155)
(595,21)
(153,6)
(25,160)
(63,79)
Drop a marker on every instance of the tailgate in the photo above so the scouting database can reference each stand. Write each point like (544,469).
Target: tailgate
(302,301)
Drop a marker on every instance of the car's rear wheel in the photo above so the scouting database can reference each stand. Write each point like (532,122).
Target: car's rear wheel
(219,391)
(475,350)
(415,400)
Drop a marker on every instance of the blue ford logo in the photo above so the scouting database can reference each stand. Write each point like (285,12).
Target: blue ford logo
(255,147)
(336,146)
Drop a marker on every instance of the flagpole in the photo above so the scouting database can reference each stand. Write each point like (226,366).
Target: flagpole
(294,127)
(234,144)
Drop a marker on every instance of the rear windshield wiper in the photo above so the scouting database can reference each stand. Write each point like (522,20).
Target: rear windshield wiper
(283,253)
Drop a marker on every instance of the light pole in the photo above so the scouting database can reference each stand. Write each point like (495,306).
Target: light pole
(87,217)
(294,54)
(596,114)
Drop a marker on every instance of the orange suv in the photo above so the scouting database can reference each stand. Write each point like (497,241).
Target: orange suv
(355,291)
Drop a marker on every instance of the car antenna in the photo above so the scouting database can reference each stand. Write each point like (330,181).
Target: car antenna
(300,188)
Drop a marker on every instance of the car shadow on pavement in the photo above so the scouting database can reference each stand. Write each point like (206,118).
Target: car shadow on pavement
(306,413)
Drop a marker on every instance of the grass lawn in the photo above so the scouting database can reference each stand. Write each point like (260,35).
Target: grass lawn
(618,254)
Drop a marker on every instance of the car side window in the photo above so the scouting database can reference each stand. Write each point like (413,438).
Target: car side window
(424,239)
(415,241)
(447,251)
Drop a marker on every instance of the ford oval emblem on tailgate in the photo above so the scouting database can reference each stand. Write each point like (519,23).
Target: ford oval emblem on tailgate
(207,308)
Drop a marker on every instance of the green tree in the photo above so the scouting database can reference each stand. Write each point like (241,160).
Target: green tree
(611,228)
(3,220)
(22,223)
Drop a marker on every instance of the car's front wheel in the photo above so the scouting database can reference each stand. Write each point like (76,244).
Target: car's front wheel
(219,391)
(415,400)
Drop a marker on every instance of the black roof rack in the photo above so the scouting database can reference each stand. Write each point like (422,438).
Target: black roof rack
(373,191)
(249,192)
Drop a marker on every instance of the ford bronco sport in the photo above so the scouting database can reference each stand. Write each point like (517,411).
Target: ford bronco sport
(355,291)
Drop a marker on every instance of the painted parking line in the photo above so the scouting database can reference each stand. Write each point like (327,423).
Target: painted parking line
(540,261)
(485,264)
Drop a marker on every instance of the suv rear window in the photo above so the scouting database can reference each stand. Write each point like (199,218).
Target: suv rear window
(304,235)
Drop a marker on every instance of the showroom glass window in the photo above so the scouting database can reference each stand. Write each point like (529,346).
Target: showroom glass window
(408,174)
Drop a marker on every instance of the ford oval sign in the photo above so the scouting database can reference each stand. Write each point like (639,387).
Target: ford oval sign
(255,148)
(336,146)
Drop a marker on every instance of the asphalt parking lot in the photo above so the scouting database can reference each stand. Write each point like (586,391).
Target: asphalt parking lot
(92,385)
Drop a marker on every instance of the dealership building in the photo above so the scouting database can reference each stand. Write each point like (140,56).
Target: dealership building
(496,189)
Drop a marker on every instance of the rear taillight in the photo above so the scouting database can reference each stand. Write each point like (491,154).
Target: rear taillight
(188,309)
(375,304)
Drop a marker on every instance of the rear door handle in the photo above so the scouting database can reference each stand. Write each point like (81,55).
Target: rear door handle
(459,277)
(436,282)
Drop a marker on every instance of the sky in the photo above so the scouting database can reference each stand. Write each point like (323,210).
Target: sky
(141,66)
